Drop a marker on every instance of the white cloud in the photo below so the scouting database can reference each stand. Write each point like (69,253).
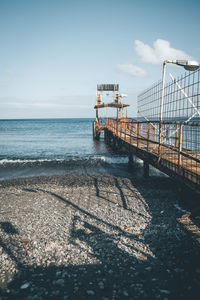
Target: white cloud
(132,69)
(160,51)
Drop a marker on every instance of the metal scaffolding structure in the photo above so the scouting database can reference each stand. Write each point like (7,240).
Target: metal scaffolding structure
(110,90)
(181,105)
(181,99)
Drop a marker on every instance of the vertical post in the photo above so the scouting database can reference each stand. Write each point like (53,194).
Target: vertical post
(94,133)
(98,101)
(97,115)
(138,131)
(125,128)
(114,143)
(180,146)
(160,139)
(161,107)
(148,129)
(176,138)
(146,169)
(130,160)
(118,113)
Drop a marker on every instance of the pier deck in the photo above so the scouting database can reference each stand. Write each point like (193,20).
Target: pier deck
(176,156)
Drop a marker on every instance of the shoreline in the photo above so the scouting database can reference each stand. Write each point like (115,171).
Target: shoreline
(95,234)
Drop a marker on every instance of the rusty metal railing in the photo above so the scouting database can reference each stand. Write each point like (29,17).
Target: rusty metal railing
(179,149)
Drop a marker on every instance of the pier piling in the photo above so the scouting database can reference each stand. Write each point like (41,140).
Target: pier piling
(130,160)
(146,169)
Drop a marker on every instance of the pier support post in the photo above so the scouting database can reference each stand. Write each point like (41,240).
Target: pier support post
(114,143)
(94,130)
(146,169)
(130,160)
(108,138)
(105,134)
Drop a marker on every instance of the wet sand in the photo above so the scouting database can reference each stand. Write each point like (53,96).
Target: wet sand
(95,234)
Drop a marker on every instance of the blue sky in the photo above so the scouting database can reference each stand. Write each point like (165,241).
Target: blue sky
(54,53)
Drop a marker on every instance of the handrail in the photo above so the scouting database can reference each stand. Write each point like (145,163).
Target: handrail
(137,136)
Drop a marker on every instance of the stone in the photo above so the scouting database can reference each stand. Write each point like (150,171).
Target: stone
(90,292)
(179,270)
(165,292)
(60,282)
(101,285)
(25,285)
(58,273)
(125,293)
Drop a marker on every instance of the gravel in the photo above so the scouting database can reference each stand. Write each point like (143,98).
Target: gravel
(90,236)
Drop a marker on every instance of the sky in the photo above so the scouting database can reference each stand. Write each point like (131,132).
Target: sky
(53,53)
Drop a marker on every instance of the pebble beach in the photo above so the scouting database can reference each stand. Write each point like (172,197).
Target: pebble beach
(95,234)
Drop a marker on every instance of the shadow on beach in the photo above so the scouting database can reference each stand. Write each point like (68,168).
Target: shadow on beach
(159,261)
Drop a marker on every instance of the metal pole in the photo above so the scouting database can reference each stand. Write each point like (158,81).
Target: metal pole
(125,131)
(97,115)
(148,129)
(138,130)
(176,138)
(161,107)
(163,89)
(180,146)
(131,130)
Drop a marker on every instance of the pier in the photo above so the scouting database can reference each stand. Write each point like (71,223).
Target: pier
(172,146)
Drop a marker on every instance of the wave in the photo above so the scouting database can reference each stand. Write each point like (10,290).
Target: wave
(12,168)
(64,162)
(24,161)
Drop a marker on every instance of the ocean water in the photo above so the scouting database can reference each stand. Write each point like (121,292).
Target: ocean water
(41,147)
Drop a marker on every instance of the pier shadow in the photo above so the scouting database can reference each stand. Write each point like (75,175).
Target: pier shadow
(121,266)
(8,228)
(116,275)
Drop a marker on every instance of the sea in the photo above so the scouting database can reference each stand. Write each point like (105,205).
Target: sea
(45,147)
